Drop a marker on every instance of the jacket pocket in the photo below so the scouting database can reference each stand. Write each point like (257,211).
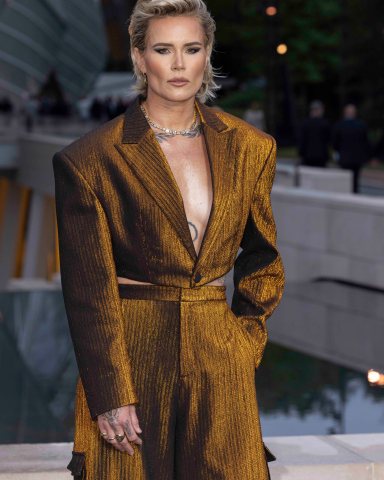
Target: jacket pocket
(77,465)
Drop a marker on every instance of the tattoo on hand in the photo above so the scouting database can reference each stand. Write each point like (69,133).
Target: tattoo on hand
(127,427)
(193,230)
(112,416)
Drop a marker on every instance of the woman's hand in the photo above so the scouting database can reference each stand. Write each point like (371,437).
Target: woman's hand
(120,421)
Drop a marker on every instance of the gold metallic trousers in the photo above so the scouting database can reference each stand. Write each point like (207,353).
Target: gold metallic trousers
(194,370)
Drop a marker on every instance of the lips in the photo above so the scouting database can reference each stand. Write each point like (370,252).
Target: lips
(178,81)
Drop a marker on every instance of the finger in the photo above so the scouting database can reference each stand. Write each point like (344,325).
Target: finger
(121,446)
(103,427)
(119,430)
(105,430)
(131,433)
(110,437)
(134,419)
(125,445)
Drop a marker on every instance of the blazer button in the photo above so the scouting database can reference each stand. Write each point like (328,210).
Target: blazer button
(249,327)
(198,277)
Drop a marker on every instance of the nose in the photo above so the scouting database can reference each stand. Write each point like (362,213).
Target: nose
(178,61)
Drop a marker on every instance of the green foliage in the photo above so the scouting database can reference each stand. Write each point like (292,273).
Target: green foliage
(239,37)
(310,29)
(303,384)
(335,50)
(241,98)
(362,48)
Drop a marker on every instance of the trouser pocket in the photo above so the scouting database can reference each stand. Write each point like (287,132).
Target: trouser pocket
(77,465)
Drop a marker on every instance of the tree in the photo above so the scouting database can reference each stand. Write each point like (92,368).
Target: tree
(362,68)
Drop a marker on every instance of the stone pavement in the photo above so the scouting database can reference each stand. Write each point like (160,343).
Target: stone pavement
(305,457)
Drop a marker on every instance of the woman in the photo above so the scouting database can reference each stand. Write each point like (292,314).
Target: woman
(152,208)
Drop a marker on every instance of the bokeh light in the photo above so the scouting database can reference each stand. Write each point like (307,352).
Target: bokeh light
(375,377)
(282,49)
(271,11)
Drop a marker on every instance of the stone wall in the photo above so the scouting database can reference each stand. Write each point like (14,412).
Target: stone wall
(325,234)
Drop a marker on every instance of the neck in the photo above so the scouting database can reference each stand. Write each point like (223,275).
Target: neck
(169,114)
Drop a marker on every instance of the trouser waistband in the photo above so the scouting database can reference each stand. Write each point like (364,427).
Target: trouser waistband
(172,293)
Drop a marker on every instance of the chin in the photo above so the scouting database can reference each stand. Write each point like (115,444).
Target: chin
(182,95)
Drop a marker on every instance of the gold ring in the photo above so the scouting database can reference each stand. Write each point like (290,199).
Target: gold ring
(103,434)
(110,439)
(120,438)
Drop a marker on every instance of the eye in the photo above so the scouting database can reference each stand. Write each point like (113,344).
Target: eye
(193,50)
(162,51)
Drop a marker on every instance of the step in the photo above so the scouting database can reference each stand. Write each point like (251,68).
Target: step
(304,457)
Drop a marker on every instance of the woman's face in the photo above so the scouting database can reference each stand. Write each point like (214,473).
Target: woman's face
(175,57)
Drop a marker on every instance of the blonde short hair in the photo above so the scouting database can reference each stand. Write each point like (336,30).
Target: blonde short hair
(144,10)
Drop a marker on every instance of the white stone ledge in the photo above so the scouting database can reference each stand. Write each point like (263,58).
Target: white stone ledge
(330,234)
(305,457)
(334,199)
(313,178)
(336,457)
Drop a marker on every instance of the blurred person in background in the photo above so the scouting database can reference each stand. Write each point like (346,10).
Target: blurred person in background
(315,137)
(255,116)
(6,110)
(31,109)
(350,140)
(97,110)
(152,209)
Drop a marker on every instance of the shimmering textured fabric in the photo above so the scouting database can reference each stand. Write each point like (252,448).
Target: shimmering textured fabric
(193,368)
(120,213)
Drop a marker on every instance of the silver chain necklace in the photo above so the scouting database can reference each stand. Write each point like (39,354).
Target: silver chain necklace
(168,131)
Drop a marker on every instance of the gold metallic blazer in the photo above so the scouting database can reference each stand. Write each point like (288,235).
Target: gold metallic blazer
(120,213)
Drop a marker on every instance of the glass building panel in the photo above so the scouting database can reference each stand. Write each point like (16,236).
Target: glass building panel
(77,55)
(24,53)
(29,27)
(13,76)
(41,9)
(43,35)
(50,25)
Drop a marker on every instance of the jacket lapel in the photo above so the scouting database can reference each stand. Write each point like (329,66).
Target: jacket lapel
(221,152)
(146,160)
(141,150)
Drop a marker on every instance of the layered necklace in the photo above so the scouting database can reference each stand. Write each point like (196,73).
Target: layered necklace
(193,131)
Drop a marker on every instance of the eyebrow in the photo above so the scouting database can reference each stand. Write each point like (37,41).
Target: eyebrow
(162,44)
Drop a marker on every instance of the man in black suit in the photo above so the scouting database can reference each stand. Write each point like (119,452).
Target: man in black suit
(350,140)
(315,137)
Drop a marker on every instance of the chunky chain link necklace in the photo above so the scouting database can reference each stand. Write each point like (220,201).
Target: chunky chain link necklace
(191,131)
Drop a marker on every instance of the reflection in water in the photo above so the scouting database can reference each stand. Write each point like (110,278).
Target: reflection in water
(332,320)
(37,368)
(297,393)
(375,378)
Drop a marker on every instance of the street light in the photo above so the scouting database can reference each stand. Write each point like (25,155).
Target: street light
(271,11)
(375,378)
(282,49)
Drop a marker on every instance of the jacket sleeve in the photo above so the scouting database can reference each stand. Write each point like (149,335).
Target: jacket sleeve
(258,270)
(90,291)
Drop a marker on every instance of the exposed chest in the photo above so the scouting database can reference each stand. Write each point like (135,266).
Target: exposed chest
(189,163)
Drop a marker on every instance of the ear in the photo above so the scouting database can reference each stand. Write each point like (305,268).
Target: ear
(138,59)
